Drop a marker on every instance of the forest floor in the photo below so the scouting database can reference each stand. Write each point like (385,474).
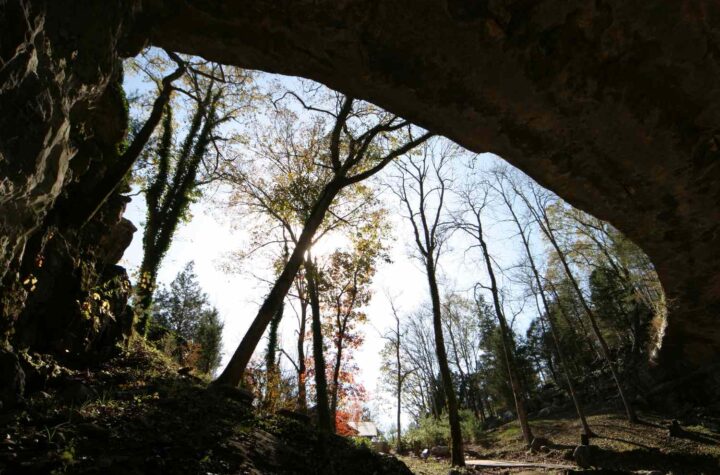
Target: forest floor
(141,414)
(620,447)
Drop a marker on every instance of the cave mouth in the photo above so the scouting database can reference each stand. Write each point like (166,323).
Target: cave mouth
(613,106)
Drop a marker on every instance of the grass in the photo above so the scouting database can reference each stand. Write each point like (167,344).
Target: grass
(426,467)
(620,445)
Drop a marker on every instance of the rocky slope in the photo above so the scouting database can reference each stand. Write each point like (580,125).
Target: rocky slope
(136,414)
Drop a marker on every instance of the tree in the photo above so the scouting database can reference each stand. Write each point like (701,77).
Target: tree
(345,290)
(360,143)
(175,177)
(460,316)
(325,423)
(499,187)
(475,200)
(538,204)
(208,335)
(271,360)
(393,367)
(301,366)
(422,394)
(422,187)
(183,313)
(180,307)
(276,186)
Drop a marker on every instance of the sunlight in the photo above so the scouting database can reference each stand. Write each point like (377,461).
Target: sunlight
(330,243)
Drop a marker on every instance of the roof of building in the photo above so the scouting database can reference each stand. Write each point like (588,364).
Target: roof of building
(364,428)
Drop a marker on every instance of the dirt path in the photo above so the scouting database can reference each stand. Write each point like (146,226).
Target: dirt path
(512,464)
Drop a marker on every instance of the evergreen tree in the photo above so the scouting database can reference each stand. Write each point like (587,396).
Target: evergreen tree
(209,337)
(182,314)
(180,308)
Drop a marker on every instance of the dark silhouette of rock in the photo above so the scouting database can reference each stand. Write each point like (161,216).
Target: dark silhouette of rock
(440,451)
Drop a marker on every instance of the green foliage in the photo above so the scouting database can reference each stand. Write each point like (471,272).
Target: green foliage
(208,335)
(362,442)
(184,324)
(430,431)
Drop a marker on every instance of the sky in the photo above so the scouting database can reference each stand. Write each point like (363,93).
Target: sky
(211,235)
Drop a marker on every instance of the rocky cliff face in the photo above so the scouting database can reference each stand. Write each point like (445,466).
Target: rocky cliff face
(63,119)
(613,104)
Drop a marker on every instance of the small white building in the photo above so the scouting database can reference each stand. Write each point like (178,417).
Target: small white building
(365,429)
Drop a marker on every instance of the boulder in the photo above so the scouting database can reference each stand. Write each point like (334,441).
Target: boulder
(242,395)
(440,451)
(544,412)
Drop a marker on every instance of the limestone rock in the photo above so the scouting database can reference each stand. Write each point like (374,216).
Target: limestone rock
(440,451)
(117,239)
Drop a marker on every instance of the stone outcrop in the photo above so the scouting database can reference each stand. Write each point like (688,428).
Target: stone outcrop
(614,105)
(63,119)
(56,61)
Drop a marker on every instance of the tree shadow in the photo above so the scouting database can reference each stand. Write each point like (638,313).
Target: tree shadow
(625,441)
(654,459)
(698,437)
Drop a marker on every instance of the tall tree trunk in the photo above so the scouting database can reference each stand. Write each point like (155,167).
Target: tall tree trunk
(550,319)
(168,200)
(398,444)
(272,348)
(325,424)
(232,375)
(302,370)
(507,342)
(456,450)
(271,363)
(336,374)
(547,230)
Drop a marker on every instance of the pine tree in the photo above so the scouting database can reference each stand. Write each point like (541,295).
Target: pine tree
(209,337)
(183,315)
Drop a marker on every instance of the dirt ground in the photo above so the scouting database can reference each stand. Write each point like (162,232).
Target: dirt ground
(620,447)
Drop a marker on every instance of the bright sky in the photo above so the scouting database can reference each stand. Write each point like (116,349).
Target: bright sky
(210,236)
